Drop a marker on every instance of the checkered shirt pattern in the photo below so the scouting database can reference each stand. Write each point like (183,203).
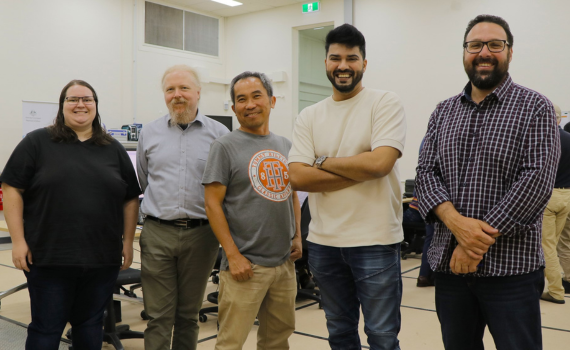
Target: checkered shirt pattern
(495,162)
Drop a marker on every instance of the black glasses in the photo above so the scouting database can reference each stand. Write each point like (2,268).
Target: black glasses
(494,46)
(73,100)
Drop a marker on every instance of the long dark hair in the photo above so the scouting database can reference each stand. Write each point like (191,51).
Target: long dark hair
(63,133)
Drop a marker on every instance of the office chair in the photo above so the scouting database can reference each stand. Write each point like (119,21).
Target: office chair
(306,289)
(212,297)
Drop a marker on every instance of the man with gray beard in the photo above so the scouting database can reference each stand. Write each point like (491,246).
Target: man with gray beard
(178,247)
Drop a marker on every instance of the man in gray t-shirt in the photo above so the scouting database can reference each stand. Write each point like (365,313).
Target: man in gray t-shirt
(256,217)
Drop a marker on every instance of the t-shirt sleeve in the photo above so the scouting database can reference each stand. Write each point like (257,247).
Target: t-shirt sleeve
(21,166)
(129,175)
(389,123)
(217,166)
(303,150)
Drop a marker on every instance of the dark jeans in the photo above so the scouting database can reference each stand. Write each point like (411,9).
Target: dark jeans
(367,276)
(508,305)
(425,269)
(68,294)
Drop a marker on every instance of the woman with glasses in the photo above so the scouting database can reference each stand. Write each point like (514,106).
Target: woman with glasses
(71,205)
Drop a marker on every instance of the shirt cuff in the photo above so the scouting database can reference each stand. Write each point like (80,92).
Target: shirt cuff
(427,204)
(302,159)
(507,227)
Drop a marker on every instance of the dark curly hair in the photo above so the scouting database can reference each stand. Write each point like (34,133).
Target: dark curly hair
(490,19)
(348,36)
(62,133)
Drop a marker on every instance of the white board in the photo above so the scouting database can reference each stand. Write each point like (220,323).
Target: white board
(36,115)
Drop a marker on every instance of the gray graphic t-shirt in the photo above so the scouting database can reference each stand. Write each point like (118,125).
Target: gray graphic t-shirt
(259,202)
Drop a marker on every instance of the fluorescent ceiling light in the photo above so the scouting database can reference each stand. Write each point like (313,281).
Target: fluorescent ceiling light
(231,3)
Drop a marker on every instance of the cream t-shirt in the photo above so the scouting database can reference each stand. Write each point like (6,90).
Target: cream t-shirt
(368,213)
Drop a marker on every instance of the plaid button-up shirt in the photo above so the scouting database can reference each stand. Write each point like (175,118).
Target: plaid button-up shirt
(494,161)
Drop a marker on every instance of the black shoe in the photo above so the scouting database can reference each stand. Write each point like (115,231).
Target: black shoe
(424,281)
(547,297)
(566,286)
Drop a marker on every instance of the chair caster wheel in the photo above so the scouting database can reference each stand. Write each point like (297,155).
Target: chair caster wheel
(144,315)
(203,318)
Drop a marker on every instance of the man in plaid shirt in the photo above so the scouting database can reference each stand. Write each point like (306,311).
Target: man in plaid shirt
(484,177)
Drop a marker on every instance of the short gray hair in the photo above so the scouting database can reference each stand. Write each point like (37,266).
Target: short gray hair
(182,68)
(261,76)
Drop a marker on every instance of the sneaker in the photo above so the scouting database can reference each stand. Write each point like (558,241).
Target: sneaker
(547,297)
(424,281)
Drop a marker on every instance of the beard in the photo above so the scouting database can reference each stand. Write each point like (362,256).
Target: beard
(491,80)
(356,78)
(183,117)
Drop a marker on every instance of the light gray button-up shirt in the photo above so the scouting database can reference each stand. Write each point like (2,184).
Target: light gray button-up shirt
(170,164)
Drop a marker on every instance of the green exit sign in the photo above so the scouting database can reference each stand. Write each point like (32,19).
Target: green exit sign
(311,7)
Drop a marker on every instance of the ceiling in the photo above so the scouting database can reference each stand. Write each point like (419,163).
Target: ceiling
(248,6)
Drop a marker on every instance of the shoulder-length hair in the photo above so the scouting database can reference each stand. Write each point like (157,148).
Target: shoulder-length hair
(62,133)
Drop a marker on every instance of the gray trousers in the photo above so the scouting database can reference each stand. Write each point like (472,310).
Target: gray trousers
(176,264)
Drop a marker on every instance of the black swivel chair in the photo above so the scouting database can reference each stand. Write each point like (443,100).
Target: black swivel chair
(306,288)
(212,297)
(413,227)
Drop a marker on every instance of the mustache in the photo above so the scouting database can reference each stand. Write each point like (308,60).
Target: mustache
(177,100)
(480,60)
(338,71)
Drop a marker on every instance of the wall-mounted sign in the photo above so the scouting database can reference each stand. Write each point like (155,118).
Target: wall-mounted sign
(311,7)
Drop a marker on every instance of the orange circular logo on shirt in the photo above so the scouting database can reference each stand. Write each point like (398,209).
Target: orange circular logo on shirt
(269,175)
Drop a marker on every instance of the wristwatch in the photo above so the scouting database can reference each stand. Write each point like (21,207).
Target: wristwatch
(319,162)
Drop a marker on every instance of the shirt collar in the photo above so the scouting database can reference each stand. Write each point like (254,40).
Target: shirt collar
(499,93)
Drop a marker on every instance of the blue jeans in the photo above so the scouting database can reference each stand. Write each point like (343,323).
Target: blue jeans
(68,294)
(359,276)
(508,305)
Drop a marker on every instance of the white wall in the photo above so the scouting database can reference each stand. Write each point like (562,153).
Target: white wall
(266,41)
(152,61)
(414,49)
(45,44)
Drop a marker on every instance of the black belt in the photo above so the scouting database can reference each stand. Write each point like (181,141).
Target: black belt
(185,223)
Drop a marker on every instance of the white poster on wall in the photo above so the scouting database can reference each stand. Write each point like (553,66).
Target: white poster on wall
(36,115)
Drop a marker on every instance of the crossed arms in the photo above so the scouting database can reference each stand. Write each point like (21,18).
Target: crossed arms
(338,173)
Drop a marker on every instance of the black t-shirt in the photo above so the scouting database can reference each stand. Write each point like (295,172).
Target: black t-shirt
(73,199)
(563,173)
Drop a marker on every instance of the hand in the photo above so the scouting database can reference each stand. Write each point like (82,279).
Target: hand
(475,236)
(21,252)
(127,256)
(296,248)
(461,262)
(240,268)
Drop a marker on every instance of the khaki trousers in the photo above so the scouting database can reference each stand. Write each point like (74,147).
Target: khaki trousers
(553,222)
(564,249)
(176,264)
(269,295)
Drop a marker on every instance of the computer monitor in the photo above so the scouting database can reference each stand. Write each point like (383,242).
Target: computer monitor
(224,119)
(133,155)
